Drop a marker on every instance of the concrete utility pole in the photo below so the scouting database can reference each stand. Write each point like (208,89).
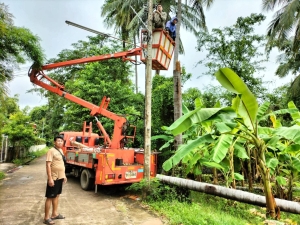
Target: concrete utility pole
(148,96)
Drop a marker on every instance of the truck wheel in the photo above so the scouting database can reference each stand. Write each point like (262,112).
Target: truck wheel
(86,181)
(76,172)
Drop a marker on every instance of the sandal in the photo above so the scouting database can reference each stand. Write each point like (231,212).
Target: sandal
(58,217)
(49,221)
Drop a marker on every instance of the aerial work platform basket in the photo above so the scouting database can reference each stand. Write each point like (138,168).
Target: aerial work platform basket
(162,49)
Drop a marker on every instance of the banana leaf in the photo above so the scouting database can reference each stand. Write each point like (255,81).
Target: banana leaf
(290,133)
(185,150)
(248,106)
(221,147)
(197,116)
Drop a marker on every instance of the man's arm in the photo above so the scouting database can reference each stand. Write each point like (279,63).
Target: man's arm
(163,16)
(48,170)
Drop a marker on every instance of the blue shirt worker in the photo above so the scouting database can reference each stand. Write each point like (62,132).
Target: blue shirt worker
(171,27)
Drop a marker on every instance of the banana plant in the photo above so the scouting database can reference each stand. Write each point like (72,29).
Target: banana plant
(288,154)
(283,157)
(238,121)
(195,158)
(246,106)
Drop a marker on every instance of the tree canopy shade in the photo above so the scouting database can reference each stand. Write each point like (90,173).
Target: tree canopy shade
(238,48)
(17,44)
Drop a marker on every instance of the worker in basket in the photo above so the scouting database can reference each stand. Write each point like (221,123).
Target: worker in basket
(159,17)
(171,27)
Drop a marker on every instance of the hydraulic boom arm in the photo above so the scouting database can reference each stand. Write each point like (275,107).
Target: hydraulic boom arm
(39,78)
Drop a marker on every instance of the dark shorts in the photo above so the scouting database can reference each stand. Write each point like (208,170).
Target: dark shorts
(52,192)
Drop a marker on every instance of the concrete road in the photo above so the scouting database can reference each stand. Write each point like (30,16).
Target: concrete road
(22,202)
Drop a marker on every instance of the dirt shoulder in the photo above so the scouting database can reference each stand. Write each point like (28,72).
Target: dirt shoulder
(22,201)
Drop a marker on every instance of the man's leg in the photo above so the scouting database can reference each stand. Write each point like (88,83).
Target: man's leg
(47,208)
(55,207)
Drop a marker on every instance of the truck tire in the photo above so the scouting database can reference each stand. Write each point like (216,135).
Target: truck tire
(76,172)
(86,180)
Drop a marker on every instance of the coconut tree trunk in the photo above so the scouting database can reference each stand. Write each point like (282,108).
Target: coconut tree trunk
(135,67)
(177,78)
(229,193)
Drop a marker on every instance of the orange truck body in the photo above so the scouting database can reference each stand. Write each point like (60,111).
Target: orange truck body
(108,165)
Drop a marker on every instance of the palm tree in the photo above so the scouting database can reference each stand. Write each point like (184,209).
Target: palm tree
(120,15)
(186,15)
(286,20)
(284,33)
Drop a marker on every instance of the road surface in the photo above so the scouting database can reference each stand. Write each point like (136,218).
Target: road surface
(22,202)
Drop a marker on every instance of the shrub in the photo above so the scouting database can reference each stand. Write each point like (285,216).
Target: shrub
(158,191)
(2,175)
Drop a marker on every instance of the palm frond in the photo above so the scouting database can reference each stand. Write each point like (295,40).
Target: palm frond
(269,5)
(296,42)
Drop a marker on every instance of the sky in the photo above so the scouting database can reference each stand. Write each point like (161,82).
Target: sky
(46,19)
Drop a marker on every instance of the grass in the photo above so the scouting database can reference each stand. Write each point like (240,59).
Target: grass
(40,152)
(196,208)
(213,210)
(30,156)
(2,175)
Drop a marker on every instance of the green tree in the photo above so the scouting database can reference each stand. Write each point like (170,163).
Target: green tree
(17,44)
(8,107)
(91,82)
(238,48)
(162,105)
(283,33)
(288,60)
(119,14)
(40,115)
(210,96)
(285,23)
(20,132)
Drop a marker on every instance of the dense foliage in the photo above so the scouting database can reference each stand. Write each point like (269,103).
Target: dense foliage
(91,82)
(17,44)
(236,47)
